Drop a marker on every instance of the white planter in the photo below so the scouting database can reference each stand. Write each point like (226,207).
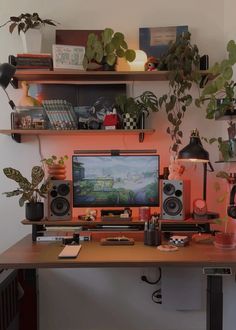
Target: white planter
(32,41)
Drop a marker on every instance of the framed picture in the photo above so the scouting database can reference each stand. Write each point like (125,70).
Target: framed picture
(154,41)
(68,57)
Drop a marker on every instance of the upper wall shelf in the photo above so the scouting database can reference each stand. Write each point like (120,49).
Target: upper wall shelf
(92,77)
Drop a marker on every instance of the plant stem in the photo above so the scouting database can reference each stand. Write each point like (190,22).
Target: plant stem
(5,24)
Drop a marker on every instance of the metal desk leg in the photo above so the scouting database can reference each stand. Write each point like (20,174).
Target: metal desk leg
(214,317)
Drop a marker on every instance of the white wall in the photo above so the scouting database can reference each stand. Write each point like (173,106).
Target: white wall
(210,27)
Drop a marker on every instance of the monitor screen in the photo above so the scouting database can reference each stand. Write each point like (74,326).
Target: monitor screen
(113,181)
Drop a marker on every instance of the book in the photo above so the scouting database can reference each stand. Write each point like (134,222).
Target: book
(34,55)
(28,63)
(61,114)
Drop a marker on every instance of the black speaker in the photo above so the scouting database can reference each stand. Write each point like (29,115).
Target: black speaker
(60,200)
(231,209)
(175,203)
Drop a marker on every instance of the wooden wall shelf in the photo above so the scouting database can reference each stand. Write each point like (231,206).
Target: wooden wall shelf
(92,77)
(18,132)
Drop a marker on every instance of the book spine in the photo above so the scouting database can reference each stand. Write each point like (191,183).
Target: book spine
(34,55)
(49,114)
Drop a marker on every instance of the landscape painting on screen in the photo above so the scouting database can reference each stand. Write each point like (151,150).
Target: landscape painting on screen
(115,180)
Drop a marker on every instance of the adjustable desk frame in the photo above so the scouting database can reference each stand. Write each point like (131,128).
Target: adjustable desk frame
(26,254)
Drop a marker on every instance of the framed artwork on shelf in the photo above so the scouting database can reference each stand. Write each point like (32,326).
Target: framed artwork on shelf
(68,57)
(154,41)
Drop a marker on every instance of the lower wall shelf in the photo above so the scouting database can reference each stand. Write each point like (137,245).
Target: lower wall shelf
(19,132)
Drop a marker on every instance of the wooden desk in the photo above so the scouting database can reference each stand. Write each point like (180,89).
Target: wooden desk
(27,254)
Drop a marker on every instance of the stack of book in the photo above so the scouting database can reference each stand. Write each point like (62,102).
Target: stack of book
(31,61)
(61,114)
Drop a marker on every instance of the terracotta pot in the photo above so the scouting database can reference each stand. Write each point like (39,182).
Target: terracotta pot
(225,240)
(57,172)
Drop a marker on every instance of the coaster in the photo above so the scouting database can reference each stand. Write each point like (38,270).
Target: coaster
(167,248)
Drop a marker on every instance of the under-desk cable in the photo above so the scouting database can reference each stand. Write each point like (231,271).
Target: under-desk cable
(156,295)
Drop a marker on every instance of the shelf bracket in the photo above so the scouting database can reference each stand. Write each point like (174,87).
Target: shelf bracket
(141,137)
(15,136)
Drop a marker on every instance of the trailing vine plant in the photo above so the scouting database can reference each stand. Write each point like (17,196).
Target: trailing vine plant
(220,99)
(182,60)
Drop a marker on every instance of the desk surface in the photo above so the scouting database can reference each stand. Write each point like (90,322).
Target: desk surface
(25,254)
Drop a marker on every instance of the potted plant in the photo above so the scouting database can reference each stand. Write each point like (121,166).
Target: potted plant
(219,97)
(28,26)
(182,61)
(225,238)
(56,167)
(133,109)
(102,51)
(31,192)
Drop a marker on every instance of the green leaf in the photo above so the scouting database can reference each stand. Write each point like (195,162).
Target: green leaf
(219,82)
(130,55)
(227,73)
(209,89)
(37,175)
(198,103)
(111,59)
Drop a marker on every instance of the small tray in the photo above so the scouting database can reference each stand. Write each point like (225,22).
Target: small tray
(117,241)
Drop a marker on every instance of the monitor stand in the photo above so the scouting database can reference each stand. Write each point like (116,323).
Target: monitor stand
(125,214)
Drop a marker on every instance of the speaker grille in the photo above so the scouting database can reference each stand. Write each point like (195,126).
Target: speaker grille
(60,206)
(59,201)
(175,200)
(172,206)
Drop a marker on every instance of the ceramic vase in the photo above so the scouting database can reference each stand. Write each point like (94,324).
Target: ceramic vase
(57,172)
(32,40)
(129,121)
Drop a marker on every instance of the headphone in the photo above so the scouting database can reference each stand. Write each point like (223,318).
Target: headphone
(231,210)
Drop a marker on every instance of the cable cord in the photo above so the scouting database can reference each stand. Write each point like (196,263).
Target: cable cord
(156,296)
(145,279)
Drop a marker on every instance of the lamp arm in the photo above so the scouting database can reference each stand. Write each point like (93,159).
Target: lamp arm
(11,103)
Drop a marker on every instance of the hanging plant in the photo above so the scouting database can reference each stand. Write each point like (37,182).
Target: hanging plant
(182,60)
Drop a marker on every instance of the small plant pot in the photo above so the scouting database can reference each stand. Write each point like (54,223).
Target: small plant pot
(34,211)
(129,122)
(225,240)
(57,172)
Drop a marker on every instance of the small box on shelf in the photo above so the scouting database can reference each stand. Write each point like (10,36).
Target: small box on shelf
(29,118)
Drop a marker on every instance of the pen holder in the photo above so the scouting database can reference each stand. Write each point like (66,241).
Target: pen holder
(152,237)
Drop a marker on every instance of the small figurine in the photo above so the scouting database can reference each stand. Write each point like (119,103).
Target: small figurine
(151,64)
(176,170)
(111,120)
(26,100)
(90,215)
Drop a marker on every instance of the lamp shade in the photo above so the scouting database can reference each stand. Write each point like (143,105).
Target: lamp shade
(6,73)
(139,63)
(194,151)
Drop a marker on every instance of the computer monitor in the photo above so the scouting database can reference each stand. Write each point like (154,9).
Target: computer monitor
(115,181)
